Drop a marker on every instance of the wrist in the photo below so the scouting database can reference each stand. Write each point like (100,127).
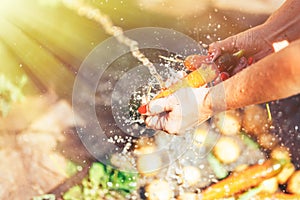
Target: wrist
(276,31)
(214,101)
(264,30)
(207,103)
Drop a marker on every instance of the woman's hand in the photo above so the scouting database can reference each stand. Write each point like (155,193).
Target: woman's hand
(179,111)
(255,42)
(283,24)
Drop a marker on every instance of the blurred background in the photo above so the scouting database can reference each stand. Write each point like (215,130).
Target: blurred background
(47,41)
(42,45)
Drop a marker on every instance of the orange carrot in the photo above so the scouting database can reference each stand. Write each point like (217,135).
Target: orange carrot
(205,74)
(241,181)
(276,196)
(193,62)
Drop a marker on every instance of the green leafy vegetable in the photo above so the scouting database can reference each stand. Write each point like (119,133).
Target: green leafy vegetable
(103,181)
(74,193)
(72,168)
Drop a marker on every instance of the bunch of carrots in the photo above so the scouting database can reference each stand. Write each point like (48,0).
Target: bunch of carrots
(203,69)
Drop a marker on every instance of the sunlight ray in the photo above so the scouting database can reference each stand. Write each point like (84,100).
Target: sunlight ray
(43,65)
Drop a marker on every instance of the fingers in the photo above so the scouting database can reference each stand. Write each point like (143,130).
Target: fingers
(161,114)
(160,105)
(162,122)
(243,63)
(227,45)
(214,52)
(156,122)
(251,41)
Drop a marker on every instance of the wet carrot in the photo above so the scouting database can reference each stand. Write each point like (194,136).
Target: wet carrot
(193,62)
(277,196)
(203,71)
(241,181)
(205,74)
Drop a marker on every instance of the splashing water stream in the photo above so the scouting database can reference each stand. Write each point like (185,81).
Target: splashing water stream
(95,14)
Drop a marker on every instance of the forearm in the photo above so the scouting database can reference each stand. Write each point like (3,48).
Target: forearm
(284,24)
(275,77)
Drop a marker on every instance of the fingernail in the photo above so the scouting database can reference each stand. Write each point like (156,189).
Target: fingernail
(142,109)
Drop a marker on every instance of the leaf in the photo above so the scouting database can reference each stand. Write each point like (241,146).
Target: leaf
(45,196)
(217,166)
(96,173)
(96,184)
(71,168)
(123,181)
(248,141)
(73,193)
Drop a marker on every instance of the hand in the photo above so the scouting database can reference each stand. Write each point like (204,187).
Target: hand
(179,111)
(254,41)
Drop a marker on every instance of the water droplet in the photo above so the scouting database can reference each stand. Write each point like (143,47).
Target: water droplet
(109,184)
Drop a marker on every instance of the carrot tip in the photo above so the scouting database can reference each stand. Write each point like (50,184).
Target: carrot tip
(142,109)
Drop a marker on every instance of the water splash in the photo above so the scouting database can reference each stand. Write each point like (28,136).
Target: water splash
(96,15)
